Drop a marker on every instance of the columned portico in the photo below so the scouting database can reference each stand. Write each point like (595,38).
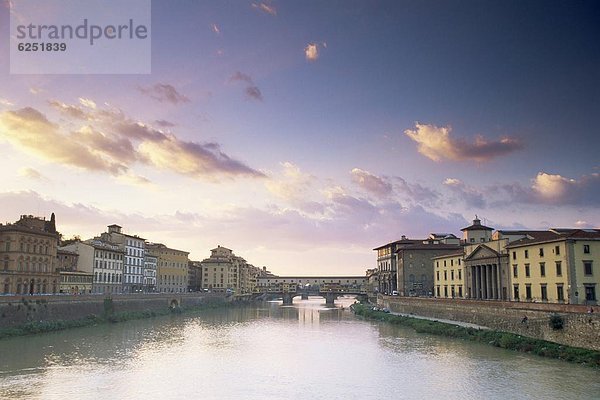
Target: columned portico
(484,266)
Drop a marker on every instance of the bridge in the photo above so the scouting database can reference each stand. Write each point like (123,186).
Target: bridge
(288,287)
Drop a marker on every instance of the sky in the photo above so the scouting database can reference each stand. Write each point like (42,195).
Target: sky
(302,134)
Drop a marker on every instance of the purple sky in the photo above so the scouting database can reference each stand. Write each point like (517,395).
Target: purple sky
(303,134)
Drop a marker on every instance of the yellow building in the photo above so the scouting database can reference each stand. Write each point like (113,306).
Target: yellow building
(449,275)
(219,271)
(171,268)
(76,282)
(28,256)
(556,266)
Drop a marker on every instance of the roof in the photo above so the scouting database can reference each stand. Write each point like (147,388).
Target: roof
(429,246)
(401,241)
(516,232)
(454,254)
(477,226)
(556,235)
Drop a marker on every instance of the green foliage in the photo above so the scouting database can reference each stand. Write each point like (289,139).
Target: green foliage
(505,340)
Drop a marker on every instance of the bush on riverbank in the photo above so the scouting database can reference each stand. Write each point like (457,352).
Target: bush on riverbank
(504,340)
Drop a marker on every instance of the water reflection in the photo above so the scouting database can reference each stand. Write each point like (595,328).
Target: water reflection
(272,351)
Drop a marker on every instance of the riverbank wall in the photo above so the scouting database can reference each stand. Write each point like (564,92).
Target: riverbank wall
(579,328)
(20,310)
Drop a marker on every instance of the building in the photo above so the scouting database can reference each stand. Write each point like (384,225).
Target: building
(194,276)
(103,261)
(386,264)
(556,266)
(150,272)
(218,271)
(66,260)
(405,266)
(224,271)
(76,282)
(476,233)
(415,266)
(134,248)
(171,268)
(372,281)
(28,251)
(449,275)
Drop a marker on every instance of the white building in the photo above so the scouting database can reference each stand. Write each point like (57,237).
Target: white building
(135,252)
(150,273)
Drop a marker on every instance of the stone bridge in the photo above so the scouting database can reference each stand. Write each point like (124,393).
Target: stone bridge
(329,295)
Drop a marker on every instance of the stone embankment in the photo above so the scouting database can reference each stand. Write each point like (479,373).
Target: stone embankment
(579,328)
(17,311)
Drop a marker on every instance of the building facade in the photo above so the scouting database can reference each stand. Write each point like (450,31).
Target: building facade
(387,266)
(559,266)
(150,272)
(134,248)
(194,276)
(218,270)
(103,260)
(28,250)
(76,282)
(415,271)
(449,275)
(171,268)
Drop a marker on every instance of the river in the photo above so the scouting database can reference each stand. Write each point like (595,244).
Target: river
(304,351)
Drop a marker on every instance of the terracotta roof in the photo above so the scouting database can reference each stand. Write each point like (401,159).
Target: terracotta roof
(555,235)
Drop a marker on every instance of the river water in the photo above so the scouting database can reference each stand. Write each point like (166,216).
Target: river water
(304,351)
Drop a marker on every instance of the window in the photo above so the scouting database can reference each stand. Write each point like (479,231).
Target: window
(459,275)
(514,255)
(542,269)
(586,248)
(445,275)
(544,290)
(437,275)
(541,252)
(560,294)
(587,268)
(590,292)
(557,250)
(452,275)
(516,292)
(515,271)
(528,292)
(527,272)
(526,253)
(558,268)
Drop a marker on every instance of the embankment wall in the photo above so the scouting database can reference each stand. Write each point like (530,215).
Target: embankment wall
(19,310)
(581,329)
